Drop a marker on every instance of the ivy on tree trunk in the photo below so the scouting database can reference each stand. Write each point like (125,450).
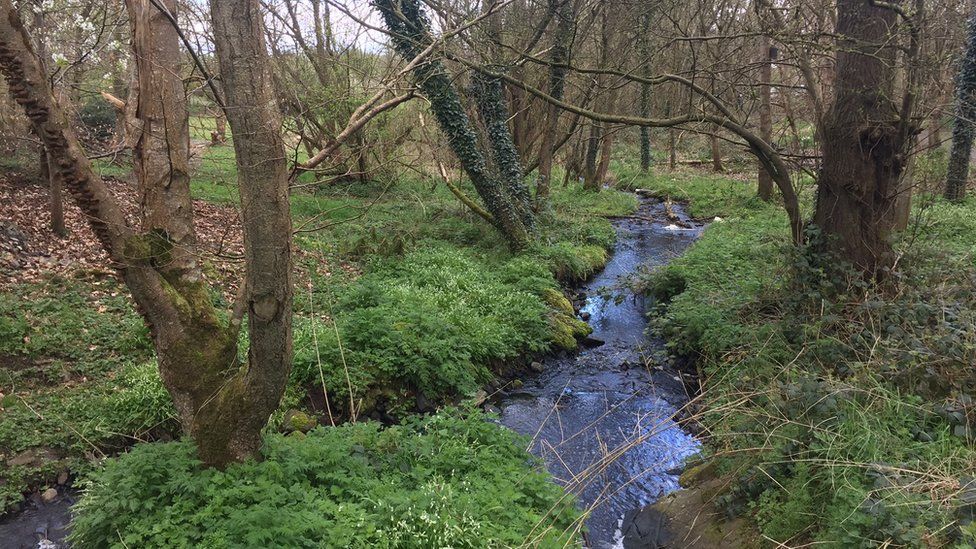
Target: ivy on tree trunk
(963,128)
(505,198)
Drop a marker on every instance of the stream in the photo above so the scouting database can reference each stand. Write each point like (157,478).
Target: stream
(601,419)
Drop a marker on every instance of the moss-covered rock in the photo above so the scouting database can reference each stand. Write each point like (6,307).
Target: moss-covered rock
(298,421)
(566,329)
(555,299)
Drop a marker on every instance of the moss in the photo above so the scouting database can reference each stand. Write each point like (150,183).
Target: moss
(555,299)
(138,249)
(298,421)
(566,329)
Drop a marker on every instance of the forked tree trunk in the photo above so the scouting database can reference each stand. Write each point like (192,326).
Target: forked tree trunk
(506,201)
(863,151)
(222,405)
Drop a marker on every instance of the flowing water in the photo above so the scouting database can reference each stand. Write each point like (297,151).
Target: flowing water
(602,419)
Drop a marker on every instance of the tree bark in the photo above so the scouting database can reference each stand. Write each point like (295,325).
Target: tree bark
(863,152)
(262,170)
(964,125)
(590,181)
(48,175)
(644,103)
(716,153)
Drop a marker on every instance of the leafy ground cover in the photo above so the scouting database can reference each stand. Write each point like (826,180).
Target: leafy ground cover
(449,480)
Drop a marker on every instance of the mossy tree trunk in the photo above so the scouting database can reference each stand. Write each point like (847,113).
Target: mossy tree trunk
(864,150)
(262,172)
(221,403)
(504,198)
(964,125)
(490,97)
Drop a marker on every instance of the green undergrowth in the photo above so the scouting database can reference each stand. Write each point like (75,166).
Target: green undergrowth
(407,301)
(843,412)
(437,323)
(448,480)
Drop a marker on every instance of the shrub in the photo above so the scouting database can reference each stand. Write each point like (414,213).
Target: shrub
(97,118)
(442,481)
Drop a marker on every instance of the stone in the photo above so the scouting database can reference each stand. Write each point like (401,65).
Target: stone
(63,477)
(33,457)
(589,342)
(537,367)
(49,495)
(584,316)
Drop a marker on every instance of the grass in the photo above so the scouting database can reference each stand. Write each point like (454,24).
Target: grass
(837,410)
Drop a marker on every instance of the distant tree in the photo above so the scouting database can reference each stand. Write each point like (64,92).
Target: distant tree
(559,54)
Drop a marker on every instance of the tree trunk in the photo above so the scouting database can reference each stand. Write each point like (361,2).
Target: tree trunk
(262,173)
(494,113)
(606,152)
(716,153)
(644,106)
(863,152)
(765,114)
(48,175)
(220,126)
(672,149)
(964,125)
(590,181)
(935,130)
(563,10)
